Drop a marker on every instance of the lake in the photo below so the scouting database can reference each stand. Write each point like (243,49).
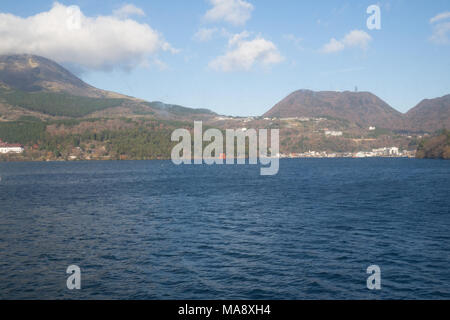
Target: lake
(153,230)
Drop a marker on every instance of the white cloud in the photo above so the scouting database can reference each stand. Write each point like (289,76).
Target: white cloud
(440,16)
(333,46)
(237,38)
(205,34)
(355,38)
(236,12)
(441,33)
(128,10)
(441,30)
(66,35)
(243,54)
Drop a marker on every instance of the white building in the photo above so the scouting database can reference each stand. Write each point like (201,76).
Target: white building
(5,150)
(360,155)
(10,148)
(333,133)
(394,151)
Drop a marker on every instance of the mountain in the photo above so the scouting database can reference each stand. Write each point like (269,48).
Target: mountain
(430,115)
(30,73)
(57,116)
(437,147)
(165,108)
(362,108)
(34,85)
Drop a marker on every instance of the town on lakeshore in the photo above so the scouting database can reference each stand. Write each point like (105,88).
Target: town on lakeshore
(392,152)
(386,152)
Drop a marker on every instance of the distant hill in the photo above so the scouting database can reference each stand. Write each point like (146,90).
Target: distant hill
(362,108)
(177,109)
(34,85)
(430,115)
(437,147)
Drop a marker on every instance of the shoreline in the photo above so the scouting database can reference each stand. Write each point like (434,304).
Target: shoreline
(125,160)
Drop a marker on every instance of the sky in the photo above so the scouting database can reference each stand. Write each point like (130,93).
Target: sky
(239,57)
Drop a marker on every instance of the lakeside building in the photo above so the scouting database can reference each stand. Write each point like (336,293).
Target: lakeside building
(333,133)
(392,151)
(10,148)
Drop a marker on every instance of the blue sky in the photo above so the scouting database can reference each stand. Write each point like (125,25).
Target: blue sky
(240,57)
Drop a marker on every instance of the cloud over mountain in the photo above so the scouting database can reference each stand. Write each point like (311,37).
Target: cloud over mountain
(129,10)
(243,54)
(441,29)
(355,38)
(66,35)
(440,16)
(235,12)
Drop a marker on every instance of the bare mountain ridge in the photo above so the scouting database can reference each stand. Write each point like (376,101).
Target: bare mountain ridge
(364,109)
(430,114)
(30,77)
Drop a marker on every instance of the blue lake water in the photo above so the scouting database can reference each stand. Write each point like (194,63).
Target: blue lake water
(153,230)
